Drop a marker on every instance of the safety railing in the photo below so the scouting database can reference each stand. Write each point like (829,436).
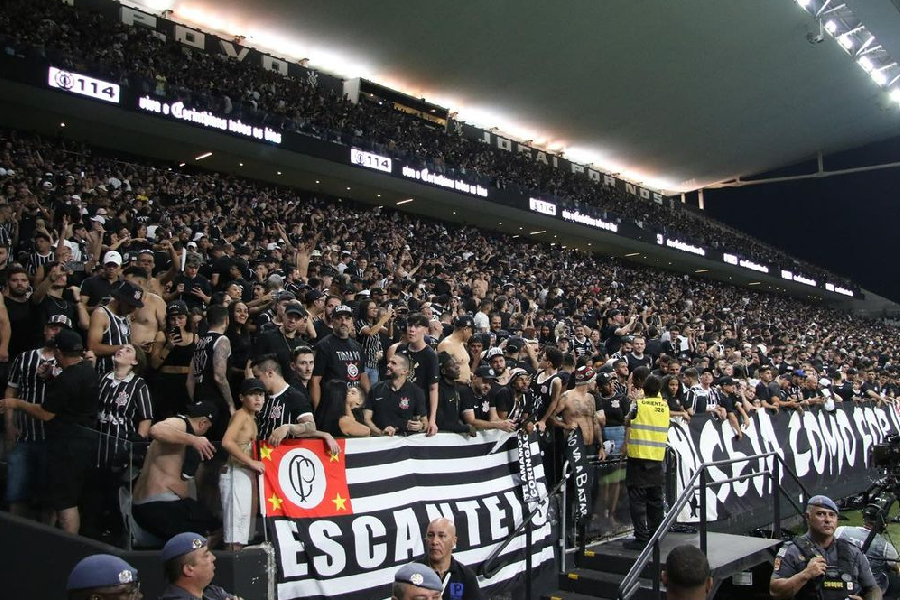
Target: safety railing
(131,455)
(489,569)
(700,481)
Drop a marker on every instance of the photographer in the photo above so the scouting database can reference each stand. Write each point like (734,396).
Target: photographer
(881,554)
(817,566)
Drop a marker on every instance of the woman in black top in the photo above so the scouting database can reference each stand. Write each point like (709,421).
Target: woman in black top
(172,354)
(238,334)
(673,393)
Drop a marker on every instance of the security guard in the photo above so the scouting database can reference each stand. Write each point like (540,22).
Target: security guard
(646,436)
(817,566)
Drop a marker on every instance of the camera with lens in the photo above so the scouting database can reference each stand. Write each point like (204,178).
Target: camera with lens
(886,455)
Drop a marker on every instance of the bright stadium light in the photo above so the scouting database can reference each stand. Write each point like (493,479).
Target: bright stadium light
(831,26)
(878,76)
(866,63)
(895,95)
(804,3)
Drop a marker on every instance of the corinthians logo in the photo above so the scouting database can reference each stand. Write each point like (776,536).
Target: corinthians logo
(302,477)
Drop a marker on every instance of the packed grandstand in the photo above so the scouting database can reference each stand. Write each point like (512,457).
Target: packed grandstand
(79,220)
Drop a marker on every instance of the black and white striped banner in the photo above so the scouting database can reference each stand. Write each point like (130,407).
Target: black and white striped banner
(396,487)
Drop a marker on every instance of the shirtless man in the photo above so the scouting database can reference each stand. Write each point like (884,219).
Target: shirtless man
(150,319)
(161,502)
(237,485)
(455,345)
(147,261)
(580,411)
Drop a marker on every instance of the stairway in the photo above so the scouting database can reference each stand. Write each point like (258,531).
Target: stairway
(598,572)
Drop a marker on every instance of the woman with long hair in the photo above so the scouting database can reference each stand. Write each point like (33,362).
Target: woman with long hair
(336,413)
(238,333)
(173,350)
(673,392)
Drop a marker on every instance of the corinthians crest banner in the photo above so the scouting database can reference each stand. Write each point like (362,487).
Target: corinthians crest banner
(343,524)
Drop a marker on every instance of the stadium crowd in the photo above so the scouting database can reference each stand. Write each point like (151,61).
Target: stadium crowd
(138,59)
(157,319)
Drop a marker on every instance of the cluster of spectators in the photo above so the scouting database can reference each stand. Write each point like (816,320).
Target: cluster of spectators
(138,59)
(157,322)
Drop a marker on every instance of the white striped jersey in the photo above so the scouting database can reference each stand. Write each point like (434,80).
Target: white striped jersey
(117,333)
(123,404)
(29,387)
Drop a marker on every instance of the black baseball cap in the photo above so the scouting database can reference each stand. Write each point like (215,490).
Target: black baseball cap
(343,309)
(485,372)
(67,341)
(129,293)
(252,384)
(463,321)
(313,295)
(176,308)
(295,308)
(202,409)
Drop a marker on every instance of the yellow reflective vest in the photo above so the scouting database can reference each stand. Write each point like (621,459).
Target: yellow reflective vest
(649,430)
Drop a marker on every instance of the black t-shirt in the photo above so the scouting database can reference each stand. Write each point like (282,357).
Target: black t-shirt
(611,340)
(23,324)
(615,408)
(322,329)
(765,391)
(338,359)
(275,342)
(51,306)
(97,289)
(189,284)
(393,408)
(284,408)
(449,409)
(845,391)
(480,405)
(423,366)
(74,397)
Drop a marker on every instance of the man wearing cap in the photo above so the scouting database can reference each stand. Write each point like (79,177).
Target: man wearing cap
(517,405)
(103,576)
(111,324)
(190,567)
(733,405)
(416,581)
(479,410)
(28,452)
(339,357)
(818,566)
(98,288)
(455,345)
(272,318)
(287,337)
(149,319)
(191,287)
(646,437)
(458,580)
(161,503)
(238,481)
(579,410)
(68,411)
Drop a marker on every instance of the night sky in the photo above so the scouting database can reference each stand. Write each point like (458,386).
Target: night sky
(845,223)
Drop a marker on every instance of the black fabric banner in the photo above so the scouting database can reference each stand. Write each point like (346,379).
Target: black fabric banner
(580,474)
(829,451)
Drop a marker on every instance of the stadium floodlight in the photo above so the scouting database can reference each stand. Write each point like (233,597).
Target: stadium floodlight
(846,41)
(866,63)
(895,95)
(804,3)
(831,26)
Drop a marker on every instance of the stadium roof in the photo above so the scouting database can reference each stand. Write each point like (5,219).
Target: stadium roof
(676,95)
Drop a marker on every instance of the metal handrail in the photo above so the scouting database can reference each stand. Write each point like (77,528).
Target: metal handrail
(485,569)
(631,582)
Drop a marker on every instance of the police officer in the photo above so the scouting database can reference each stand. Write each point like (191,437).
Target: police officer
(189,567)
(646,436)
(103,576)
(818,566)
(416,581)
